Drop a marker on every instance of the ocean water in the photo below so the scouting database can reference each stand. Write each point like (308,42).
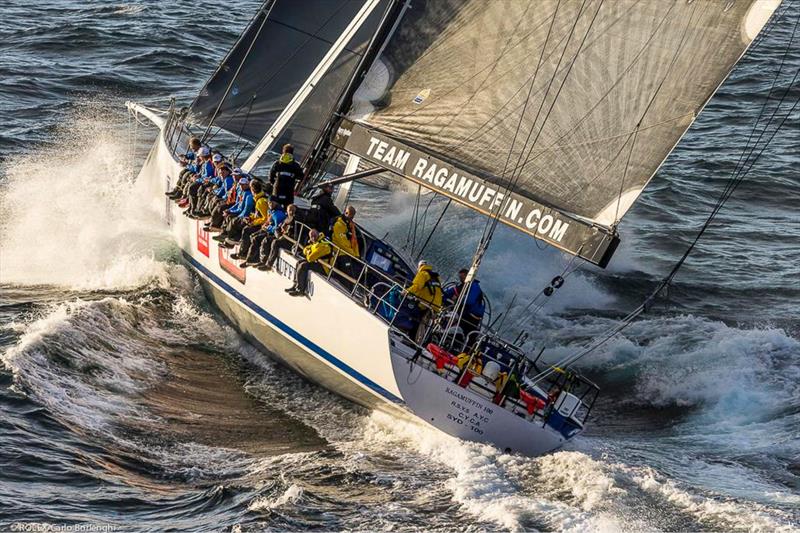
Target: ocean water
(125,400)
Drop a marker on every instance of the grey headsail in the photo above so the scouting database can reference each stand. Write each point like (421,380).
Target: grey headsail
(273,58)
(559,108)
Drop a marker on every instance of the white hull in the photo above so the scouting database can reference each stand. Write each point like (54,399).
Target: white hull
(332,340)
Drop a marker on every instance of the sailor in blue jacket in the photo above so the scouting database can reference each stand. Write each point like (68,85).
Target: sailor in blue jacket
(237,216)
(253,237)
(207,170)
(189,160)
(224,187)
(474,306)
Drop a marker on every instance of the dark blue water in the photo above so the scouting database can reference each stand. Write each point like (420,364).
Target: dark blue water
(125,400)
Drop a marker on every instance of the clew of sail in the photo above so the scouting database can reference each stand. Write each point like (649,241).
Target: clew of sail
(271,62)
(556,113)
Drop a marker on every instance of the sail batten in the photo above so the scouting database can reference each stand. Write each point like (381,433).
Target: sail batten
(601,91)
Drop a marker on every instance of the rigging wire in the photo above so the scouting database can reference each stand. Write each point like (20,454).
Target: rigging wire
(764,33)
(235,76)
(241,131)
(411,237)
(512,112)
(738,175)
(436,225)
(631,136)
(277,70)
(566,272)
(492,222)
(230,50)
(600,100)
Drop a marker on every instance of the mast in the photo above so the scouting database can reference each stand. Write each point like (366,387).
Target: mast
(385,29)
(305,90)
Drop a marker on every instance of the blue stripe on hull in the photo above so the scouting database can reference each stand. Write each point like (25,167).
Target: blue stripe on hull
(311,346)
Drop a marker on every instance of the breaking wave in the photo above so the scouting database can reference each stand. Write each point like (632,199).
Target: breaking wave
(71,215)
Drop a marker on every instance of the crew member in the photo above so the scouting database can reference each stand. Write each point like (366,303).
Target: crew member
(474,306)
(284,236)
(323,210)
(427,287)
(317,249)
(256,222)
(188,161)
(250,248)
(345,236)
(236,217)
(225,199)
(284,175)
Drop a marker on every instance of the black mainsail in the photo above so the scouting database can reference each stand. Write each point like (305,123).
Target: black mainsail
(271,61)
(552,115)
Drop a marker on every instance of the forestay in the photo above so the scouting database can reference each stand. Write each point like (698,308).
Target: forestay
(572,105)
(272,59)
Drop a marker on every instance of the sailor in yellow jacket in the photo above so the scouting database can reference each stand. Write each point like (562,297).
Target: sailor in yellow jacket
(254,232)
(427,287)
(345,236)
(317,249)
(344,232)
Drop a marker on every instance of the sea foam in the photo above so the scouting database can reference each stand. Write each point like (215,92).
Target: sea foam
(71,215)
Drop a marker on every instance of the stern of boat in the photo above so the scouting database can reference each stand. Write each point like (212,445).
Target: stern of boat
(467,405)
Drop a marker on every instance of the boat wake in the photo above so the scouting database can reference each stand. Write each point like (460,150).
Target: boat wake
(110,336)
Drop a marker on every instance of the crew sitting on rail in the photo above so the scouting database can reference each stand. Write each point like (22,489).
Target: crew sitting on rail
(345,236)
(222,185)
(323,211)
(202,165)
(205,171)
(188,160)
(317,249)
(236,216)
(225,198)
(284,175)
(282,239)
(474,305)
(205,182)
(257,217)
(260,228)
(205,201)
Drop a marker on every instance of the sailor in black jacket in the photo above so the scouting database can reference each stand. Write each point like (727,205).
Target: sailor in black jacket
(284,175)
(323,210)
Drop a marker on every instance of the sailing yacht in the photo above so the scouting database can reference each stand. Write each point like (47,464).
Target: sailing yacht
(547,116)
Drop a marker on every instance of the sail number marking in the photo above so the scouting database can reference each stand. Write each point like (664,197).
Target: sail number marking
(464,411)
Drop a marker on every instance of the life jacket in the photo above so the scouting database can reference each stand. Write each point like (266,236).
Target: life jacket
(233,192)
(349,233)
(427,287)
(433,284)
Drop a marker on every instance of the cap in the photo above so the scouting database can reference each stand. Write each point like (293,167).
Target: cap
(238,172)
(205,151)
(243,181)
(217,158)
(422,263)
